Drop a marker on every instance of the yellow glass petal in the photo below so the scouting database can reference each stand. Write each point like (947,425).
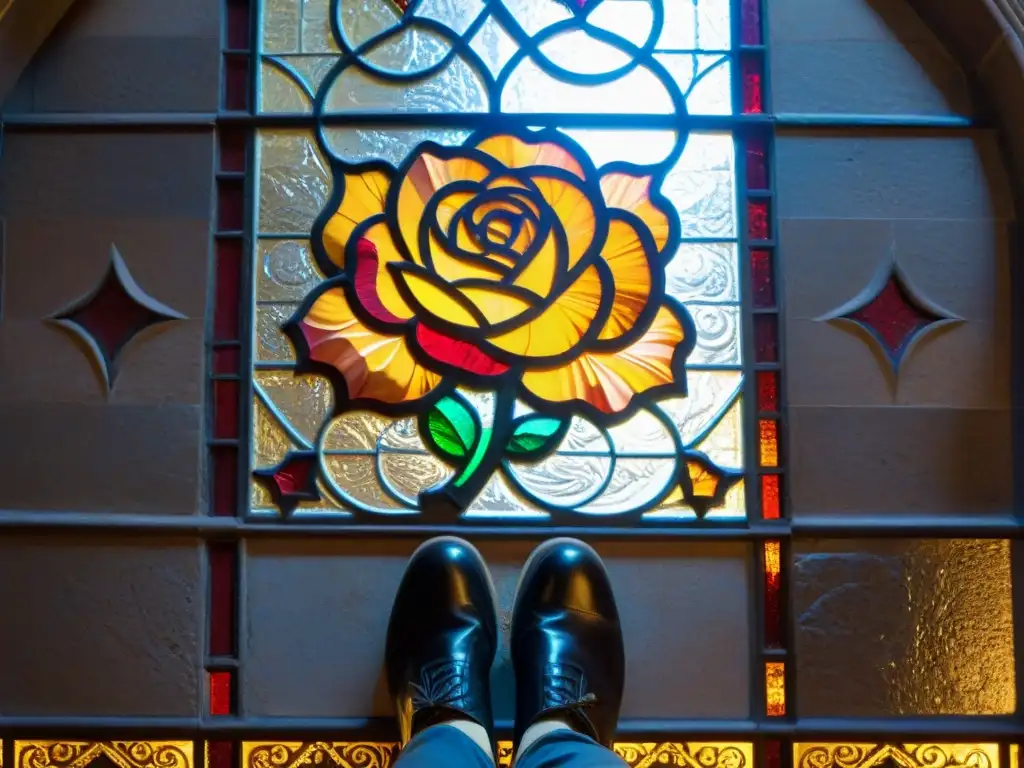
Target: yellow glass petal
(364,197)
(704,482)
(374,366)
(539,274)
(426,175)
(386,290)
(561,326)
(436,297)
(608,381)
(574,211)
(632,193)
(625,255)
(495,303)
(449,268)
(516,153)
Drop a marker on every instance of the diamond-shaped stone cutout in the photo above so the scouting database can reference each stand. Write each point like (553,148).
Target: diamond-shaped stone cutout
(108,318)
(893,313)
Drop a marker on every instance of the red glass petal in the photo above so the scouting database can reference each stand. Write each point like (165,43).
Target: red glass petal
(459,354)
(236,83)
(750,22)
(238,24)
(228,289)
(220,693)
(222,599)
(757,220)
(295,475)
(220,754)
(763,287)
(771,502)
(766,339)
(767,390)
(753,97)
(757,162)
(225,481)
(230,204)
(232,149)
(366,281)
(225,406)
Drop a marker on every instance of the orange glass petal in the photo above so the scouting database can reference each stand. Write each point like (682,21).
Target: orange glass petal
(426,175)
(436,297)
(632,193)
(516,153)
(364,197)
(705,484)
(374,366)
(625,255)
(574,212)
(561,326)
(608,381)
(495,302)
(769,442)
(775,688)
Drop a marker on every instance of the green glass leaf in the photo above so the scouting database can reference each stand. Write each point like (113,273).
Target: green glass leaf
(452,428)
(535,436)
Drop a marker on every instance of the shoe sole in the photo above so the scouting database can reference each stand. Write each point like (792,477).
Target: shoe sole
(486,571)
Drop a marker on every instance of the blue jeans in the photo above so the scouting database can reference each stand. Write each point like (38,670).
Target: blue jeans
(444,747)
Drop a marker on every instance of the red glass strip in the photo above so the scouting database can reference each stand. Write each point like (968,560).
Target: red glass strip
(225,408)
(230,205)
(772,594)
(767,391)
(226,360)
(228,290)
(750,21)
(758,227)
(220,754)
(766,339)
(771,502)
(753,94)
(763,287)
(225,481)
(757,162)
(238,24)
(236,83)
(220,693)
(222,599)
(232,150)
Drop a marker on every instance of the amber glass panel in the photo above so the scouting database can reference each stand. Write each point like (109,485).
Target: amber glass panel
(368,754)
(866,755)
(124,754)
(769,439)
(775,688)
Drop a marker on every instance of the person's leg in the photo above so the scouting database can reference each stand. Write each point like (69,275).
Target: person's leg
(568,658)
(446,746)
(441,642)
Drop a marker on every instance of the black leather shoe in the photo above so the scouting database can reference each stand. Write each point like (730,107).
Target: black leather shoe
(567,649)
(442,638)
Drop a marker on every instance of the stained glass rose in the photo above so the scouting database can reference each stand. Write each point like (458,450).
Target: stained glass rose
(509,263)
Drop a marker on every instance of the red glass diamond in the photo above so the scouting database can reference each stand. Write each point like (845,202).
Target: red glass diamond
(893,317)
(294,475)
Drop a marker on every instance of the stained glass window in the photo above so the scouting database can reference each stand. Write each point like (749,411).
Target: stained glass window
(497,264)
